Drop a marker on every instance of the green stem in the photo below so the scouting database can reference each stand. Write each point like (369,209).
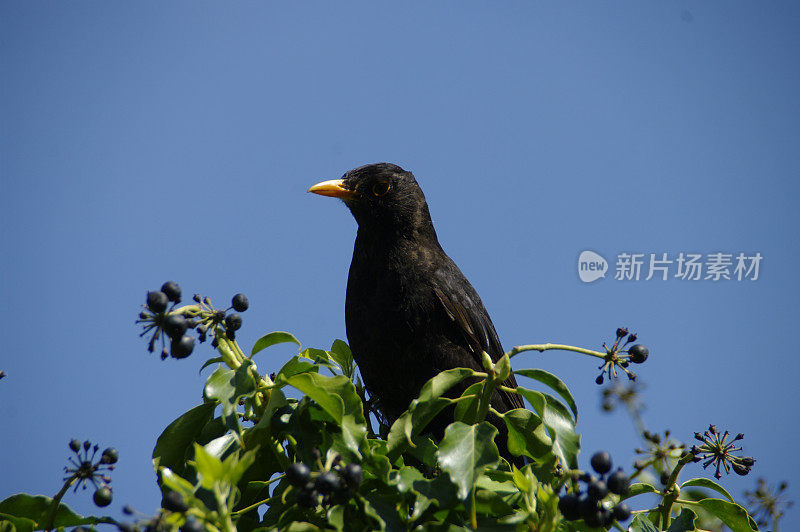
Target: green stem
(548,346)
(671,491)
(473,510)
(224,513)
(51,516)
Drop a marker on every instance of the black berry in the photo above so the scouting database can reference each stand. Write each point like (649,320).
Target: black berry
(327,482)
(173,501)
(182,348)
(621,512)
(618,482)
(307,497)
(172,290)
(622,331)
(298,474)
(597,490)
(110,456)
(75,445)
(589,511)
(175,325)
(102,497)
(352,475)
(240,303)
(601,462)
(192,525)
(569,506)
(638,353)
(233,322)
(157,301)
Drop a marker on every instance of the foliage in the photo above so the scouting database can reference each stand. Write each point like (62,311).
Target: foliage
(297,450)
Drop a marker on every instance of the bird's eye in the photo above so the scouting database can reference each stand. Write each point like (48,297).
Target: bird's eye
(379,189)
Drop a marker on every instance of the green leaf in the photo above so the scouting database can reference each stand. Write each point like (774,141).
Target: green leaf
(340,352)
(707,483)
(209,468)
(338,398)
(227,386)
(277,337)
(209,362)
(465,451)
(560,425)
(641,523)
(294,366)
(556,384)
(423,409)
(176,483)
(170,450)
(23,509)
(527,434)
(734,516)
(684,522)
(639,488)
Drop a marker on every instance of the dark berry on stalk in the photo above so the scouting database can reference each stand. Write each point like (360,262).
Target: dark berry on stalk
(632,338)
(233,322)
(597,490)
(164,353)
(240,303)
(182,348)
(352,475)
(599,379)
(589,511)
(173,501)
(327,482)
(230,334)
(747,461)
(621,512)
(175,325)
(298,474)
(86,445)
(606,517)
(192,525)
(157,301)
(127,509)
(102,497)
(109,456)
(740,470)
(307,498)
(664,478)
(601,462)
(172,290)
(75,445)
(618,482)
(622,331)
(569,506)
(638,353)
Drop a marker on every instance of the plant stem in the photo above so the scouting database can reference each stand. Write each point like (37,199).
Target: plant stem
(548,346)
(51,516)
(671,491)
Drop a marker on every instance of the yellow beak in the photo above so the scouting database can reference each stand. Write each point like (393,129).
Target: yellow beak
(333,188)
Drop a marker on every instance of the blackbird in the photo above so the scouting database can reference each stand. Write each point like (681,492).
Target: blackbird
(410,313)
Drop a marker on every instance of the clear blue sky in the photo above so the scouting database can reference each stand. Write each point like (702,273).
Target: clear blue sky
(147,141)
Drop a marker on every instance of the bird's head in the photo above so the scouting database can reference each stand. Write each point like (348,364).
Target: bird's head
(382,197)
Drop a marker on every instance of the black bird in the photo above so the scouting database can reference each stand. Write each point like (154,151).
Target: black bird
(410,312)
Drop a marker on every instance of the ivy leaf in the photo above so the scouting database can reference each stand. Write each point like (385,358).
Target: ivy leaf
(465,451)
(527,434)
(641,523)
(684,522)
(556,384)
(734,516)
(423,409)
(707,483)
(170,449)
(23,509)
(340,352)
(277,337)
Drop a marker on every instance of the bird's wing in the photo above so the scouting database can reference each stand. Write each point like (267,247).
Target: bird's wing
(463,305)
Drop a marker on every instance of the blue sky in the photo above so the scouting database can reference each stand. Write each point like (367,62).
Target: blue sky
(148,141)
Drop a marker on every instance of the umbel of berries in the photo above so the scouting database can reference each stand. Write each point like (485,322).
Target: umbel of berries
(589,505)
(166,324)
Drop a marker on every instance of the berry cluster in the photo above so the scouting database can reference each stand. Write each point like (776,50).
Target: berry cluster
(662,453)
(170,325)
(83,468)
(717,450)
(172,502)
(327,487)
(619,357)
(588,506)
